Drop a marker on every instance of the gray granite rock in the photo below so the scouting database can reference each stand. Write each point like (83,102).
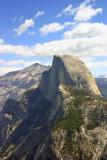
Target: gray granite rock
(70,71)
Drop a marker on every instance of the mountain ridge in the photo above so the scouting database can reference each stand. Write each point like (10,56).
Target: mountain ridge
(14,84)
(57,120)
(102,84)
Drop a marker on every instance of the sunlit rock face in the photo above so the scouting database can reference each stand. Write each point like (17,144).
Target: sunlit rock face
(63,119)
(70,71)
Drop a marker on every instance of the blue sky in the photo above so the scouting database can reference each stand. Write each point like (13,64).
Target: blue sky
(33,31)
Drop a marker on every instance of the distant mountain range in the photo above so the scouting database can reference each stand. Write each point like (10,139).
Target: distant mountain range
(62,117)
(14,84)
(101,76)
(102,85)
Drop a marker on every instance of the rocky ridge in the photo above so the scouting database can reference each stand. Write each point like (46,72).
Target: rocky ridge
(14,84)
(57,120)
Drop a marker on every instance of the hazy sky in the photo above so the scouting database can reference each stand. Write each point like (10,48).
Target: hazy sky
(34,30)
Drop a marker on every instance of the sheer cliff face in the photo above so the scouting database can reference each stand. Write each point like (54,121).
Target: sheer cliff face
(70,71)
(58,119)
